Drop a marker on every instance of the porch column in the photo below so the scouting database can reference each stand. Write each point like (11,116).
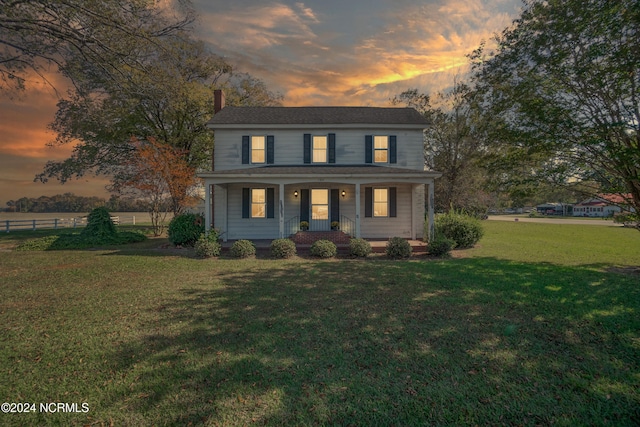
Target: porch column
(224,224)
(432,226)
(207,206)
(357,210)
(281,217)
(414,221)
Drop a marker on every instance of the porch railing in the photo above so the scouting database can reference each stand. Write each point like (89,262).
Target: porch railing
(292,226)
(347,226)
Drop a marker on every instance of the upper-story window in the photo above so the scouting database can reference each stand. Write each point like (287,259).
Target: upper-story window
(319,149)
(258,149)
(380,149)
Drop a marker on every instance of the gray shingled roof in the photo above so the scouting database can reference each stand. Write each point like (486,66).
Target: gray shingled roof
(317,116)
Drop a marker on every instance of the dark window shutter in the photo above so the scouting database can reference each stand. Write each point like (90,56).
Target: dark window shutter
(307,148)
(271,203)
(368,149)
(246,205)
(332,149)
(368,202)
(304,204)
(393,156)
(393,206)
(245,150)
(270,149)
(335,204)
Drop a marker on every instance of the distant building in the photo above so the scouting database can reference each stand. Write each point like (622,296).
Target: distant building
(605,205)
(554,209)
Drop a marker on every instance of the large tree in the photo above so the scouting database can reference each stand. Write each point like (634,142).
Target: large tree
(451,147)
(38,34)
(561,95)
(137,71)
(171,100)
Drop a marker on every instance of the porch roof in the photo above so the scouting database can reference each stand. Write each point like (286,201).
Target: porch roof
(342,173)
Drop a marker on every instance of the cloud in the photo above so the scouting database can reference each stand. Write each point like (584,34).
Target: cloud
(313,60)
(23,143)
(24,119)
(260,27)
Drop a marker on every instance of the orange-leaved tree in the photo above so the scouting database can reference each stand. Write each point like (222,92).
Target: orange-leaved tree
(161,176)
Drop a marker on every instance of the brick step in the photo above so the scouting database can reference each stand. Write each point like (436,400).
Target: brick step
(308,237)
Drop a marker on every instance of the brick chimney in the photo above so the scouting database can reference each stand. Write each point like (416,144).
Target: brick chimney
(218,100)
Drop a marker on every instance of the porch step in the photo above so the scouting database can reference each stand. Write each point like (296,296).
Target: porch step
(308,237)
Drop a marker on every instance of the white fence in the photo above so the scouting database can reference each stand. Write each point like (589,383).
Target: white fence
(55,223)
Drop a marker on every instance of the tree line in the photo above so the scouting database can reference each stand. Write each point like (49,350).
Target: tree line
(69,202)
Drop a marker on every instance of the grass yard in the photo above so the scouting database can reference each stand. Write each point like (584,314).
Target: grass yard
(538,325)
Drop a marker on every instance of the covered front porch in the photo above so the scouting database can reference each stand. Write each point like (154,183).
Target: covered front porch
(276,202)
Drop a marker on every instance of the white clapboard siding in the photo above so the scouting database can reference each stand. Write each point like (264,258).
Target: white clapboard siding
(249,228)
(400,226)
(288,147)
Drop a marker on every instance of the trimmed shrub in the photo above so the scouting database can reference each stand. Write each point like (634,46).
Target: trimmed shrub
(440,246)
(359,247)
(185,229)
(323,249)
(242,249)
(398,248)
(464,230)
(99,225)
(207,245)
(283,248)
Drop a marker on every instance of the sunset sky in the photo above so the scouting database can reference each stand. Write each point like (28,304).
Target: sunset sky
(316,52)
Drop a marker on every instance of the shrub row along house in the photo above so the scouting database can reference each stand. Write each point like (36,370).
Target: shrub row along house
(277,169)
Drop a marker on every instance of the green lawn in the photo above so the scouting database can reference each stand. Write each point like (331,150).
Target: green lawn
(538,325)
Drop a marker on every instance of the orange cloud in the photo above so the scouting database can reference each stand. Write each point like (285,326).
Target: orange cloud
(412,42)
(25,119)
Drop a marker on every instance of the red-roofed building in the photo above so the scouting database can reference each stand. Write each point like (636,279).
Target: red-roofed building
(605,205)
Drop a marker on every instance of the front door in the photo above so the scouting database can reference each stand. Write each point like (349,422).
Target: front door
(319,210)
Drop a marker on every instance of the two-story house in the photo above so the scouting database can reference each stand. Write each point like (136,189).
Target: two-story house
(277,169)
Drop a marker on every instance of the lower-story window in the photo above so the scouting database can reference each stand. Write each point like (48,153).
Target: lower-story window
(380,202)
(258,203)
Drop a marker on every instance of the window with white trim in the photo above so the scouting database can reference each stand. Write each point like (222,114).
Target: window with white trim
(319,149)
(380,149)
(380,202)
(258,203)
(258,149)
